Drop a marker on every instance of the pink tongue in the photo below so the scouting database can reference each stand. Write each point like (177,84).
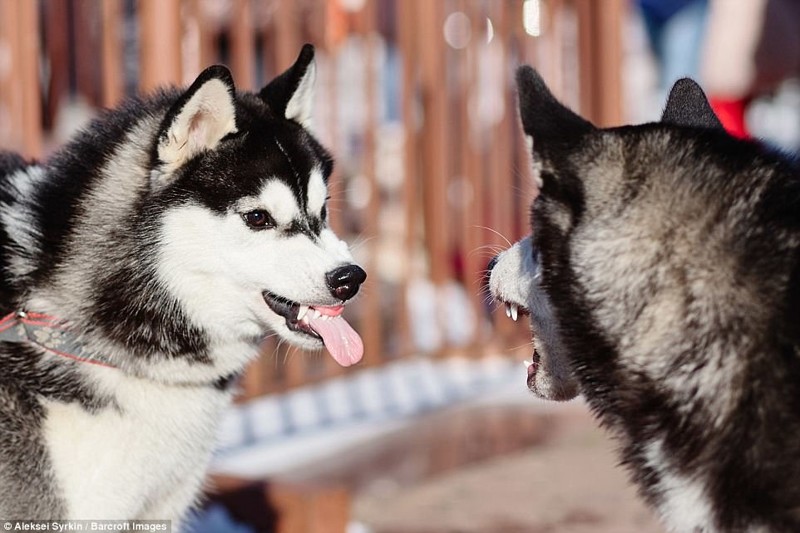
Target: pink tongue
(340,339)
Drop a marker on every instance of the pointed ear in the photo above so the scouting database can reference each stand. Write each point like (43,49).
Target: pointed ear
(198,120)
(544,118)
(291,94)
(687,106)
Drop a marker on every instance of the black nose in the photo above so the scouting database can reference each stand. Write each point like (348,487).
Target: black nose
(492,263)
(345,281)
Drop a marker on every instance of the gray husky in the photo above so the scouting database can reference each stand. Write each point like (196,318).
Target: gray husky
(662,277)
(141,266)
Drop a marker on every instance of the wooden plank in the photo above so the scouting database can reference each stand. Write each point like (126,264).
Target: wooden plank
(307,509)
(160,44)
(242,37)
(609,20)
(27,67)
(10,116)
(600,50)
(206,36)
(370,305)
(113,83)
(85,43)
(56,49)
(435,105)
(286,27)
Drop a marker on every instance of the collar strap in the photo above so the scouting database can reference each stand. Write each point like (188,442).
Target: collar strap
(48,333)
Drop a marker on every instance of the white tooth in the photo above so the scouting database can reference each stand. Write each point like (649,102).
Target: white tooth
(302,312)
(514,312)
(508,310)
(317,314)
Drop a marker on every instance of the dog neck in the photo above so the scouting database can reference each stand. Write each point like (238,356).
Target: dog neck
(50,334)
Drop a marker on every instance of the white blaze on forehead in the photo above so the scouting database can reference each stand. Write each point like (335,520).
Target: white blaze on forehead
(317,191)
(278,198)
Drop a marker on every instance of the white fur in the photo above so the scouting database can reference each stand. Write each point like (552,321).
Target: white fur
(301,103)
(98,458)
(684,505)
(278,199)
(317,192)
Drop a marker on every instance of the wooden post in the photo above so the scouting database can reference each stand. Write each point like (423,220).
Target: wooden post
(371,309)
(306,509)
(600,50)
(20,112)
(56,48)
(160,43)
(113,82)
(86,43)
(286,27)
(242,36)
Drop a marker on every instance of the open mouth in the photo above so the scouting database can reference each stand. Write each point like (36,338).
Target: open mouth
(321,322)
(514,310)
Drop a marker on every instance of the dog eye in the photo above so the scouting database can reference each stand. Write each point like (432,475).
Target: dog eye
(259,219)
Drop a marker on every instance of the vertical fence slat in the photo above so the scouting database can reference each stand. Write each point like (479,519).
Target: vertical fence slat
(406,26)
(370,310)
(160,44)
(242,37)
(111,52)
(27,61)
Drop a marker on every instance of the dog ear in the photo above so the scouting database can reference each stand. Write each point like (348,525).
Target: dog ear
(291,94)
(687,105)
(201,117)
(545,119)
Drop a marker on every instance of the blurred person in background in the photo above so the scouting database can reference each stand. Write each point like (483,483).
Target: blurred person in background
(675,31)
(737,49)
(750,48)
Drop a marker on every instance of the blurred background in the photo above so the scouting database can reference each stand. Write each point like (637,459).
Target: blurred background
(434,431)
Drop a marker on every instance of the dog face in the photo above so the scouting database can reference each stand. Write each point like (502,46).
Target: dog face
(240,192)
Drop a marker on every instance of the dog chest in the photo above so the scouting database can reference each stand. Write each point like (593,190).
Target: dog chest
(123,460)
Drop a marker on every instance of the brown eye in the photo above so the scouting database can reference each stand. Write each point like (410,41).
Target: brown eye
(259,219)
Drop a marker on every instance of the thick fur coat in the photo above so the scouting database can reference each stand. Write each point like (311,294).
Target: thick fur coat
(663,281)
(171,237)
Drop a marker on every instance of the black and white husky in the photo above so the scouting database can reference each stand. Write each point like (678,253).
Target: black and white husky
(141,266)
(663,281)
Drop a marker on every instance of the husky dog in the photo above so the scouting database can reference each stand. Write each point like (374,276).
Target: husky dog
(663,281)
(141,266)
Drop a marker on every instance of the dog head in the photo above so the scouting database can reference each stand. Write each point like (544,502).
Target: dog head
(239,194)
(605,199)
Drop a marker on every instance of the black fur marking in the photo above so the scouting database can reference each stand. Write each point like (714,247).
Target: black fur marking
(543,117)
(279,91)
(687,106)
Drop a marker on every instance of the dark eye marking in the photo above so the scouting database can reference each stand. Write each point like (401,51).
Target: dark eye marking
(323,214)
(259,219)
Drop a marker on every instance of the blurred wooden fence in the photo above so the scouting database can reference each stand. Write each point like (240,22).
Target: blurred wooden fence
(415,99)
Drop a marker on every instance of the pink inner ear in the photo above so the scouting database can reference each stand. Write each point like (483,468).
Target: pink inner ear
(198,128)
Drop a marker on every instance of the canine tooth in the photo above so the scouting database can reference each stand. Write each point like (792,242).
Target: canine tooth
(514,312)
(302,312)
(508,310)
